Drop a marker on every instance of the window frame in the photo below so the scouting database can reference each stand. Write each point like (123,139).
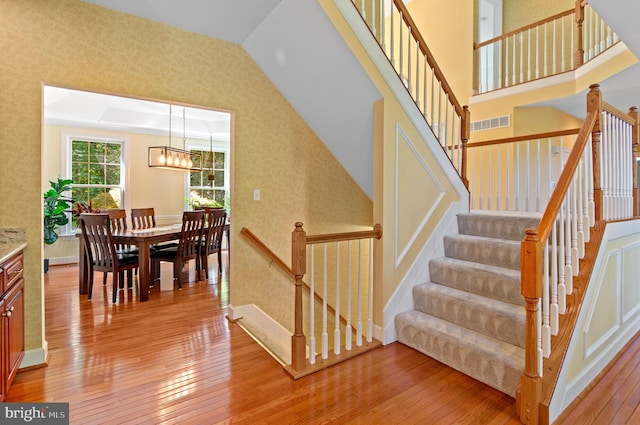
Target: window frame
(217,146)
(66,164)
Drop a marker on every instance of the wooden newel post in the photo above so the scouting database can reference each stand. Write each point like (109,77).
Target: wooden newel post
(531,381)
(465,132)
(633,113)
(299,267)
(594,104)
(579,54)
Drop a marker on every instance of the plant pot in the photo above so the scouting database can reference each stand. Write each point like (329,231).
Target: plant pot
(46,265)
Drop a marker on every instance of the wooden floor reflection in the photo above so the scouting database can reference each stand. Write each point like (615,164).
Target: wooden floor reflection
(177,360)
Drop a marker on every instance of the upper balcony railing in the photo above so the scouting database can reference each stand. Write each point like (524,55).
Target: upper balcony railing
(399,38)
(559,43)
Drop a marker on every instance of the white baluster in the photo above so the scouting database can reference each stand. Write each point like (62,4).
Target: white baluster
(370,294)
(563,62)
(312,317)
(499,181)
(489,179)
(529,54)
(574,228)
(336,331)
(546,69)
(538,177)
(562,288)
(521,60)
(499,84)
(554,280)
(568,263)
(553,50)
(579,216)
(325,335)
(359,321)
(508,180)
(546,327)
(516,192)
(348,329)
(528,176)
(537,52)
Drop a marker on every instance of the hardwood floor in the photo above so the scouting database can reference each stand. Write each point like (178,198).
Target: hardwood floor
(177,360)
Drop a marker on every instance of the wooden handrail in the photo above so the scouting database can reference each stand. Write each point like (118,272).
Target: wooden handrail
(555,203)
(430,58)
(274,257)
(524,28)
(524,138)
(618,113)
(376,233)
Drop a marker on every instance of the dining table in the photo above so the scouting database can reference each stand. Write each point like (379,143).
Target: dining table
(143,239)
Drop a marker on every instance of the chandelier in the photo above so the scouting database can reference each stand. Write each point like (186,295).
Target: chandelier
(173,158)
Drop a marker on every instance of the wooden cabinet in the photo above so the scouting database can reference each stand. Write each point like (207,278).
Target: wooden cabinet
(12,320)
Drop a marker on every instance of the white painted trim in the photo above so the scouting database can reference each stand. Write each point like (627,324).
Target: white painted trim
(256,316)
(553,80)
(402,298)
(565,391)
(379,59)
(400,256)
(56,261)
(36,357)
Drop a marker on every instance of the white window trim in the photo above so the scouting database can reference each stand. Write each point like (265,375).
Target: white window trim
(94,136)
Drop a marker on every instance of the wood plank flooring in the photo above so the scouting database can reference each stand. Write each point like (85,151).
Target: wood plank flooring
(177,360)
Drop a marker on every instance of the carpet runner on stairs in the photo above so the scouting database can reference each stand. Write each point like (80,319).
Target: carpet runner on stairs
(471,315)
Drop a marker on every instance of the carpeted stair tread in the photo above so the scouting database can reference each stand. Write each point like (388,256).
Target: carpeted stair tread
(496,363)
(506,225)
(498,319)
(482,279)
(495,252)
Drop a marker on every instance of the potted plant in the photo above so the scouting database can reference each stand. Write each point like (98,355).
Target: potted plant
(55,207)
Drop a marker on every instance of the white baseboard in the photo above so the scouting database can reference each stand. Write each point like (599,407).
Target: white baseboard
(62,260)
(35,357)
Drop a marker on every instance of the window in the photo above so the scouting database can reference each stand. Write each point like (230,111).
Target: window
(97,173)
(209,186)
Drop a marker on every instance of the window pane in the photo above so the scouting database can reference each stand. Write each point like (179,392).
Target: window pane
(113,153)
(219,196)
(80,173)
(195,178)
(97,152)
(96,174)
(219,178)
(79,151)
(112,174)
(80,194)
(219,160)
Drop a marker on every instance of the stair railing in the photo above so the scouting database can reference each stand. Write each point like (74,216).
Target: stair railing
(399,38)
(553,45)
(347,268)
(517,173)
(604,151)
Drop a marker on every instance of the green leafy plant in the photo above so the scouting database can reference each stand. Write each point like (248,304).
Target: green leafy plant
(55,207)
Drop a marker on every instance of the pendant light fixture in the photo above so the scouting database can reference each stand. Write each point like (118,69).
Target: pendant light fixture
(173,158)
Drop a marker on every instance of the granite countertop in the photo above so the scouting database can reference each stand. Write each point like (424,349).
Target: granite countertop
(7,249)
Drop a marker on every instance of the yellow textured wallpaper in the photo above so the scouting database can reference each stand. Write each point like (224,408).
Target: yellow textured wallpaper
(79,45)
(517,13)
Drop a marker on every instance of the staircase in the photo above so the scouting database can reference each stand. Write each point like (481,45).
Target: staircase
(471,314)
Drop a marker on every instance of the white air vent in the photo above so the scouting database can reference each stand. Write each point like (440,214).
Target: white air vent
(491,123)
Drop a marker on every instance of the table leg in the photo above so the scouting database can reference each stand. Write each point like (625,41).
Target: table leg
(144,275)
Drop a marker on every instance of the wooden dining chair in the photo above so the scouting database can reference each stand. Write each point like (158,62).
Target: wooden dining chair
(188,247)
(143,218)
(118,221)
(101,251)
(212,242)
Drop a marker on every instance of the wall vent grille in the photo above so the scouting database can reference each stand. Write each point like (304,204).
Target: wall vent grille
(491,123)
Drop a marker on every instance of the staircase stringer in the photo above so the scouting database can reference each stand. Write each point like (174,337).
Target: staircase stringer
(553,365)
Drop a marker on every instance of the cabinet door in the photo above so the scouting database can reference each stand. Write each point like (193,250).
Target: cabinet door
(3,356)
(14,331)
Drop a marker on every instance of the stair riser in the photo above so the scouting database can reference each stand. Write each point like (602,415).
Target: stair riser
(485,366)
(494,252)
(499,286)
(507,326)
(494,226)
